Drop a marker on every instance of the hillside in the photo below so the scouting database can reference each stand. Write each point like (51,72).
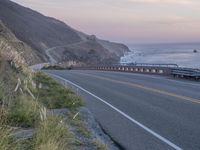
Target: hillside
(9,45)
(37,112)
(49,37)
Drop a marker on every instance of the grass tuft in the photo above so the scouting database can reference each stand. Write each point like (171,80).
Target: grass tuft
(53,95)
(25,112)
(6,140)
(51,134)
(99,145)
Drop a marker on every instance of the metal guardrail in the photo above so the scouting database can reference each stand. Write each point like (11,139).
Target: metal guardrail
(151,65)
(158,69)
(186,73)
(130,68)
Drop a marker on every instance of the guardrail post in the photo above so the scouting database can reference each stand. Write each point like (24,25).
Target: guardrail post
(153,70)
(160,71)
(147,70)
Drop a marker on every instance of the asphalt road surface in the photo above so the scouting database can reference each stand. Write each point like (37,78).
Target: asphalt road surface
(141,111)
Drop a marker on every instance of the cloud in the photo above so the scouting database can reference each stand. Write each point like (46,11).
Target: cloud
(182,2)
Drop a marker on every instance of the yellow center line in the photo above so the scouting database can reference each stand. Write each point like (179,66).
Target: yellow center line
(146,88)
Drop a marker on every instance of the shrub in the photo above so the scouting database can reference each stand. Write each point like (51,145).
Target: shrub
(55,67)
(24,112)
(54,95)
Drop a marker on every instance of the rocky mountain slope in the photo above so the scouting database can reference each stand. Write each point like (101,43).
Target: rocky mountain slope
(52,39)
(10,45)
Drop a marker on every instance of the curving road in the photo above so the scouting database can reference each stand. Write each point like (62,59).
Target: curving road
(141,111)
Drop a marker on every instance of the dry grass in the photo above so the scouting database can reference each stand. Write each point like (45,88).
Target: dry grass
(6,140)
(25,112)
(99,145)
(8,79)
(51,134)
(19,108)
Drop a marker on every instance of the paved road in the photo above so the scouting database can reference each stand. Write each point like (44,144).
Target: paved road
(141,111)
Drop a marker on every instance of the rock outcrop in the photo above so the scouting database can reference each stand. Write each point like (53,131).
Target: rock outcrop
(10,45)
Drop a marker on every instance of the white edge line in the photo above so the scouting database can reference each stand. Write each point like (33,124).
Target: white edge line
(123,114)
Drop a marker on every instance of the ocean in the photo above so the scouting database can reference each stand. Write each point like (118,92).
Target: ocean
(181,54)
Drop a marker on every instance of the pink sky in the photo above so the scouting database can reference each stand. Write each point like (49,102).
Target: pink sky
(128,21)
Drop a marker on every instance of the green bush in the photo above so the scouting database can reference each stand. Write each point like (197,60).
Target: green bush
(24,112)
(54,95)
(55,67)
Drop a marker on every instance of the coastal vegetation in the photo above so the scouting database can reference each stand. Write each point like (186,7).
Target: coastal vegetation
(28,104)
(36,111)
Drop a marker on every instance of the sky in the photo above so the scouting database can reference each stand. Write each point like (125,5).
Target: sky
(127,21)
